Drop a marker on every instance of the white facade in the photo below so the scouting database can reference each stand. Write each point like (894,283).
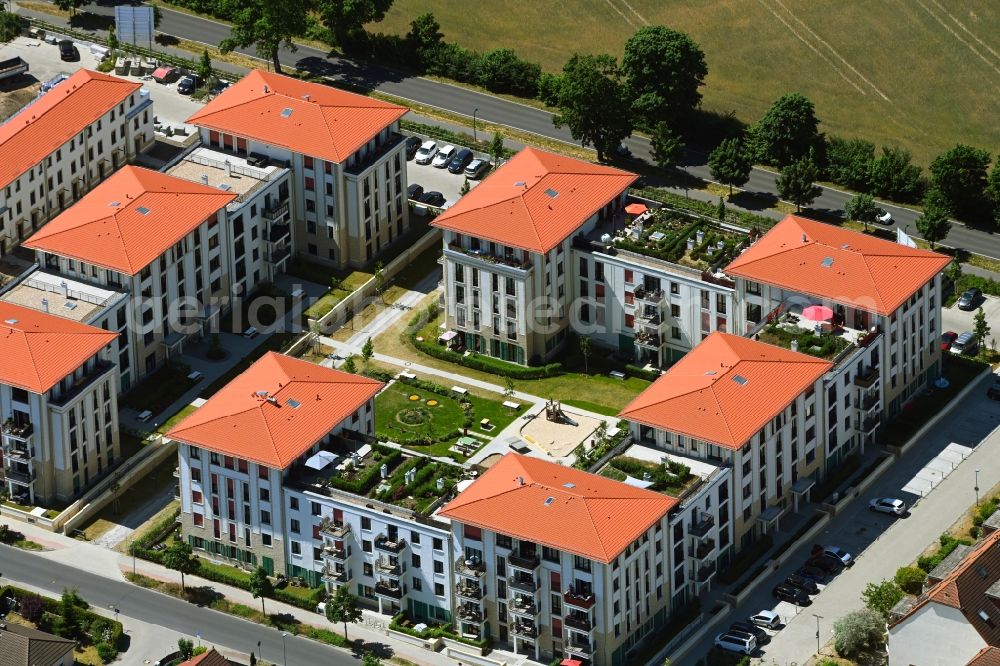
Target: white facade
(935,635)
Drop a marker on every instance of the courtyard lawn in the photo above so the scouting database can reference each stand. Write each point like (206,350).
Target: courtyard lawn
(159,390)
(141,498)
(431,423)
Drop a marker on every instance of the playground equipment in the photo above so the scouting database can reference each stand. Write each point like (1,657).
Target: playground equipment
(555,413)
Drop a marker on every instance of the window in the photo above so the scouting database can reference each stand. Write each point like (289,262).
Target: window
(366,523)
(438,567)
(438,544)
(262,472)
(293,503)
(417,584)
(296,548)
(265,517)
(415,560)
(438,589)
(265,538)
(366,545)
(295,526)
(199,520)
(265,495)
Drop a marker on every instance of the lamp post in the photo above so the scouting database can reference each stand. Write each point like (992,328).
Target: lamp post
(977,487)
(475,138)
(818,618)
(284,660)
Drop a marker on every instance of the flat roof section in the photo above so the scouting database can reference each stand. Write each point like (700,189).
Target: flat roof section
(208,167)
(78,301)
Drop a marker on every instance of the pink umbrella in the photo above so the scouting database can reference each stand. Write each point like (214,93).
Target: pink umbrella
(634,209)
(817,313)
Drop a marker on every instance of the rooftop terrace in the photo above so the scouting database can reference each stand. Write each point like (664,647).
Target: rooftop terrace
(59,295)
(829,341)
(226,171)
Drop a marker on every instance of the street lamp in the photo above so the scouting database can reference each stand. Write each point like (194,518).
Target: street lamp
(818,618)
(977,487)
(284,661)
(475,138)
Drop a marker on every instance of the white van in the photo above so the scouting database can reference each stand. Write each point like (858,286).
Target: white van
(744,644)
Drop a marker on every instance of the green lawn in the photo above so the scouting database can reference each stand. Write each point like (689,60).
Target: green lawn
(175,419)
(860,62)
(431,415)
(156,485)
(159,390)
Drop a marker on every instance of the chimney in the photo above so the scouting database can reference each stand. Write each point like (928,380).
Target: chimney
(229,169)
(306,97)
(65,289)
(520,480)
(794,345)
(45,305)
(266,89)
(204,179)
(804,239)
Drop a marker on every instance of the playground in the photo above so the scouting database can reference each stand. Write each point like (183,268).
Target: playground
(558,430)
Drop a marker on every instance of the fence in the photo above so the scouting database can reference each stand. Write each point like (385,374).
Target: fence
(68,293)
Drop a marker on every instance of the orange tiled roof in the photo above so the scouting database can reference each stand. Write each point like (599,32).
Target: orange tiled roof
(988,656)
(863,271)
(725,389)
(965,589)
(130,219)
(57,116)
(535,200)
(40,349)
(210,658)
(255,417)
(306,118)
(559,507)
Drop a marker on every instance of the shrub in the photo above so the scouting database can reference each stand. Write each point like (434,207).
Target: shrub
(858,631)
(948,544)
(642,373)
(910,579)
(502,71)
(32,607)
(10,26)
(486,363)
(106,652)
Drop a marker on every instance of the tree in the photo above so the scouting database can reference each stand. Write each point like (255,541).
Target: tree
(424,36)
(496,149)
(993,189)
(891,175)
(370,659)
(980,327)
(720,210)
(934,224)
(67,622)
(858,631)
(350,365)
(668,148)
(260,586)
(862,208)
(112,41)
(179,556)
(367,351)
(10,26)
(787,132)
(730,163)
(797,183)
(31,608)
(881,597)
(205,68)
(266,24)
(186,647)
(500,70)
(508,388)
(346,19)
(548,88)
(462,191)
(380,280)
(663,70)
(959,175)
(343,607)
(71,6)
(849,161)
(585,352)
(593,103)
(953,271)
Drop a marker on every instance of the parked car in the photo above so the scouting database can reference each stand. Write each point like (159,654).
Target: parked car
(433,198)
(187,85)
(220,86)
(969,299)
(994,390)
(68,50)
(623,151)
(443,156)
(807,585)
(414,191)
(749,629)
(732,643)
(828,563)
(840,554)
(460,161)
(811,572)
(890,505)
(947,338)
(412,146)
(426,152)
(478,168)
(966,343)
(766,618)
(883,216)
(784,592)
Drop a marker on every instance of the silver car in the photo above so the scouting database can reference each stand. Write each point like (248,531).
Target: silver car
(426,152)
(889,505)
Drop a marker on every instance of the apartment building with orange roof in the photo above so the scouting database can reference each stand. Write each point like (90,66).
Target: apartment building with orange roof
(554,562)
(345,151)
(158,246)
(509,272)
(58,405)
(61,145)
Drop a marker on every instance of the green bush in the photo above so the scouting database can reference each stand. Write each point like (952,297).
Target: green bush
(681,203)
(486,363)
(363,484)
(910,579)
(106,652)
(10,26)
(642,373)
(948,544)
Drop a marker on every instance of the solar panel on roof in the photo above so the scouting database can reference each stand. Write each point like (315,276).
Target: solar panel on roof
(549,501)
(657,236)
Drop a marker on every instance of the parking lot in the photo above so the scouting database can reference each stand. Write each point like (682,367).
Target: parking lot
(953,319)
(171,107)
(440,180)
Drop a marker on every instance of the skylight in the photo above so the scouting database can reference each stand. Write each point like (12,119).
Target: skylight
(69,306)
(519,183)
(10,322)
(114,204)
(740,379)
(142,210)
(552,193)
(286,112)
(710,372)
(827,262)
(549,501)
(569,485)
(293,403)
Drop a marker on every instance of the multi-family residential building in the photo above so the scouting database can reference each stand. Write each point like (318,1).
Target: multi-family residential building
(58,405)
(954,622)
(553,561)
(161,241)
(510,279)
(347,157)
(278,469)
(876,289)
(61,145)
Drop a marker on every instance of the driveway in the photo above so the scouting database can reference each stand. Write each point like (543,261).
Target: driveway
(953,319)
(441,180)
(881,543)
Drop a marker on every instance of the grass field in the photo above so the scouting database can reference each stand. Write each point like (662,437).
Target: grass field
(922,74)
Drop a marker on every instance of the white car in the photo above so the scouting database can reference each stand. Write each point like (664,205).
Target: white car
(426,152)
(888,505)
(443,157)
(766,618)
(840,554)
(883,216)
(744,644)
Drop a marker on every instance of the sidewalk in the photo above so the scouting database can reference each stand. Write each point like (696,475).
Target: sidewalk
(149,642)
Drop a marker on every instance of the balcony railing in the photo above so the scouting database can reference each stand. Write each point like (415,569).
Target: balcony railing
(20,478)
(275,212)
(869,424)
(388,590)
(703,550)
(651,295)
(869,401)
(585,601)
(648,340)
(704,573)
(279,255)
(523,584)
(580,648)
(701,528)
(22,431)
(469,591)
(334,554)
(22,452)
(387,568)
(336,530)
(524,629)
(470,569)
(382,542)
(470,614)
(511,261)
(523,606)
(578,621)
(522,561)
(333,576)
(865,380)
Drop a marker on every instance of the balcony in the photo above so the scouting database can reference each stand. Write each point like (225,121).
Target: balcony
(524,629)
(382,542)
(469,591)
(360,165)
(20,432)
(469,613)
(278,256)
(99,370)
(649,340)
(390,590)
(703,549)
(701,528)
(649,295)
(868,402)
(276,212)
(334,554)
(579,621)
(869,424)
(331,575)
(525,584)
(19,477)
(648,317)
(470,569)
(525,562)
(388,568)
(523,606)
(704,573)
(581,648)
(575,600)
(508,260)
(333,529)
(19,451)
(278,233)
(867,379)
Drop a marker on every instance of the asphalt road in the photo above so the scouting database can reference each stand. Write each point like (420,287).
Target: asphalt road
(172,614)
